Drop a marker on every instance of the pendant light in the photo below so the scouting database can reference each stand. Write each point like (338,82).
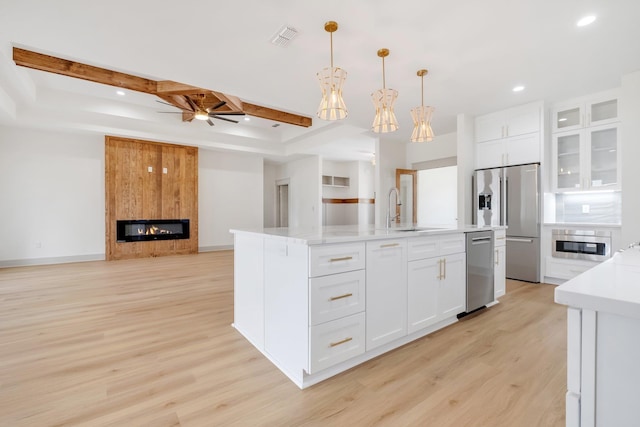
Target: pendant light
(383,99)
(331,79)
(421,115)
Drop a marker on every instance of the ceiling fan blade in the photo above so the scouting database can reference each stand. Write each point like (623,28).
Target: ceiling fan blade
(192,104)
(228,113)
(218,105)
(171,105)
(210,122)
(169,112)
(222,118)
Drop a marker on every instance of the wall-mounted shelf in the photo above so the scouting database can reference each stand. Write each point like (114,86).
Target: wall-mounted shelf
(335,181)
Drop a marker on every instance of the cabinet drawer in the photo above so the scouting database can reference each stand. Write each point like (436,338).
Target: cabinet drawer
(335,296)
(336,341)
(452,243)
(562,269)
(500,237)
(331,259)
(422,247)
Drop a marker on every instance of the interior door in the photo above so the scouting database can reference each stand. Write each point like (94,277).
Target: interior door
(407,184)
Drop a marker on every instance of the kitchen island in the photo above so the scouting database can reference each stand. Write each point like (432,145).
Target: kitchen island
(603,348)
(317,302)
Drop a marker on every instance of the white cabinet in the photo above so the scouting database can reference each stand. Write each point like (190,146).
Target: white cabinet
(600,110)
(337,297)
(386,291)
(565,269)
(515,150)
(499,267)
(585,144)
(509,137)
(586,159)
(512,122)
(436,279)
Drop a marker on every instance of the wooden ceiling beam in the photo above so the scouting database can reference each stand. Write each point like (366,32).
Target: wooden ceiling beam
(275,115)
(51,64)
(167,90)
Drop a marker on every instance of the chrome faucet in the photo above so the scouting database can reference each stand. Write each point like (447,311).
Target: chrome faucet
(390,219)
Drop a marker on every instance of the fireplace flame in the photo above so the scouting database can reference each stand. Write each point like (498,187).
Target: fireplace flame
(154,229)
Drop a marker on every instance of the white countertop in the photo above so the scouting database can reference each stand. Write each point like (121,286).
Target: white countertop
(351,233)
(612,286)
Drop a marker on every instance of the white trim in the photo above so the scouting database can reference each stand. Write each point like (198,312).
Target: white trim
(51,260)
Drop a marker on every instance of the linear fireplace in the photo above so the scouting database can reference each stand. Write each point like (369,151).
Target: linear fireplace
(140,230)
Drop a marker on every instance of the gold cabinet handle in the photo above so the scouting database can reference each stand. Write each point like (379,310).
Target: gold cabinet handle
(500,238)
(344,258)
(341,296)
(333,344)
(390,245)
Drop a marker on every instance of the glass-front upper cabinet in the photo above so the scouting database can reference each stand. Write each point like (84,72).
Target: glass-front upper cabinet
(586,159)
(598,111)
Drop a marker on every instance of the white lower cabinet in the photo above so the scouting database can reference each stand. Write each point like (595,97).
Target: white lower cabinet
(336,341)
(436,285)
(452,293)
(386,291)
(423,277)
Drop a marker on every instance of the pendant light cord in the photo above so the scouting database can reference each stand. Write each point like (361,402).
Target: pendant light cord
(383,79)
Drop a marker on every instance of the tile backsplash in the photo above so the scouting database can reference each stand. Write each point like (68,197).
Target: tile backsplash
(595,208)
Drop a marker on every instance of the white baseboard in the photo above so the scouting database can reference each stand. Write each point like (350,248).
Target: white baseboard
(51,260)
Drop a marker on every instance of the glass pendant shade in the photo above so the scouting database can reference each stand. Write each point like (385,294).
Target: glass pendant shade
(331,80)
(422,131)
(385,119)
(332,105)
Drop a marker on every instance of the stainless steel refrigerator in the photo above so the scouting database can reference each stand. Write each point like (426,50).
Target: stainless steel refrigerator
(510,196)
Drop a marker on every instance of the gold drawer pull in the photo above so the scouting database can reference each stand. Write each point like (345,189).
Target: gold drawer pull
(344,258)
(333,344)
(340,297)
(500,238)
(390,245)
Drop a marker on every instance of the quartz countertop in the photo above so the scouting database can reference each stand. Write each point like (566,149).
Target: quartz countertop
(352,233)
(612,286)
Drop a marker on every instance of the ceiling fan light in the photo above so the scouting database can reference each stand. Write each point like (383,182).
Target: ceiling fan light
(201,115)
(332,106)
(422,131)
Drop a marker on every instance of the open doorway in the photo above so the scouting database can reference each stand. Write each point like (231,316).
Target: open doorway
(407,185)
(437,199)
(282,203)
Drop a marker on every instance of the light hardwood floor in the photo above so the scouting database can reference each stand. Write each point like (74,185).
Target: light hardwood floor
(149,342)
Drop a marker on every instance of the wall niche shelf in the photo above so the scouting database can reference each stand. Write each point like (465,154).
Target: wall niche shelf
(335,181)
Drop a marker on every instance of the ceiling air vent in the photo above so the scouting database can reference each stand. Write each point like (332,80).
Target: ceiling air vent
(284,36)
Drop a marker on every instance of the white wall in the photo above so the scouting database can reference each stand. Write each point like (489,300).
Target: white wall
(466,166)
(630,137)
(440,207)
(51,197)
(230,195)
(441,147)
(271,173)
(305,191)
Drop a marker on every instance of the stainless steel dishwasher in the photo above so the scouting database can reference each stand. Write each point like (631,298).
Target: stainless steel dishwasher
(479,269)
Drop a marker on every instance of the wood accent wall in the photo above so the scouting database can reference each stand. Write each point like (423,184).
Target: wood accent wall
(132,192)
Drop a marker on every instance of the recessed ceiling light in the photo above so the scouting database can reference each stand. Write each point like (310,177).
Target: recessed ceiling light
(518,88)
(120,92)
(586,21)
(246,119)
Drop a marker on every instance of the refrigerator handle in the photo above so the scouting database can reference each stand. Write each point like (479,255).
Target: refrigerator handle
(505,200)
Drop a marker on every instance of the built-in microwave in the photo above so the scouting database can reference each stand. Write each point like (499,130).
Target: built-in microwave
(581,244)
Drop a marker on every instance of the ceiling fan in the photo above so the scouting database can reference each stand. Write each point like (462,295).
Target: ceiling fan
(200,112)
